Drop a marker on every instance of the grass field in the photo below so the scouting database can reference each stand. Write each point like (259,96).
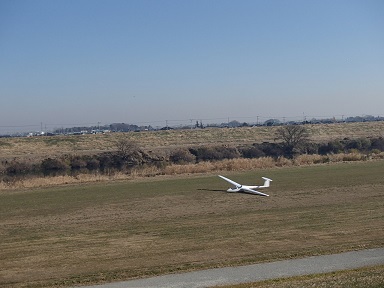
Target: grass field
(80,234)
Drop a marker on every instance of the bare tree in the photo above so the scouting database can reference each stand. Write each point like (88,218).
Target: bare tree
(294,138)
(126,148)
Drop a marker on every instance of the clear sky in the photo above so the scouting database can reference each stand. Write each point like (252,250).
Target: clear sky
(147,61)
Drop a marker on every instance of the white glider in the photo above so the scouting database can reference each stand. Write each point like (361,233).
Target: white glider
(246,188)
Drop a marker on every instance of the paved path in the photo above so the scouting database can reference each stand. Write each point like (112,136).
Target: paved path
(258,272)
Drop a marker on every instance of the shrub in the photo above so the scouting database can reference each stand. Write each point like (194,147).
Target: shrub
(312,148)
(378,143)
(78,163)
(361,144)
(17,168)
(211,153)
(376,151)
(333,147)
(182,156)
(92,163)
(229,152)
(53,165)
(271,149)
(105,161)
(205,153)
(252,152)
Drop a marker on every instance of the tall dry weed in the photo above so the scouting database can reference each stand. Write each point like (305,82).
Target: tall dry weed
(201,167)
(150,171)
(238,164)
(310,159)
(343,157)
(62,180)
(283,162)
(378,155)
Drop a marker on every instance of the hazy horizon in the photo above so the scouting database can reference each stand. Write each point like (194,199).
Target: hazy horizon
(94,61)
(182,123)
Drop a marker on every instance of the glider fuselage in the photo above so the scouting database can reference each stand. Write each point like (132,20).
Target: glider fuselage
(242,188)
(245,188)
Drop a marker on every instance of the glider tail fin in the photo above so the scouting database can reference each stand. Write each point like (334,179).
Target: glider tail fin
(266,181)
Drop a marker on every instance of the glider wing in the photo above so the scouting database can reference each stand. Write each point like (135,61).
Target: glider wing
(230,181)
(247,190)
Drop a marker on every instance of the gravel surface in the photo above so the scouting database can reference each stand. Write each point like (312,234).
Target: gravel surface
(259,272)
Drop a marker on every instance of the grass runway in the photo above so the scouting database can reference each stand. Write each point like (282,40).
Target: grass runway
(73,235)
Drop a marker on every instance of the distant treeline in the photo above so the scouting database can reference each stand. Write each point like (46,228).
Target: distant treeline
(125,159)
(124,127)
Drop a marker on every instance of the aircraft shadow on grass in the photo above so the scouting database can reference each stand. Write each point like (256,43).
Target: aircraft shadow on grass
(212,190)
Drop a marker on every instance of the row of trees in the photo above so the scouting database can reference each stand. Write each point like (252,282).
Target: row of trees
(293,140)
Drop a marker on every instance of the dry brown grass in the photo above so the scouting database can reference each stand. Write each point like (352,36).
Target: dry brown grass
(36,148)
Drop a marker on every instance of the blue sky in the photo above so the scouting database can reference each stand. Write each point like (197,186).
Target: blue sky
(89,61)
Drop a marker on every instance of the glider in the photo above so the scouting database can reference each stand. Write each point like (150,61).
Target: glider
(246,188)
